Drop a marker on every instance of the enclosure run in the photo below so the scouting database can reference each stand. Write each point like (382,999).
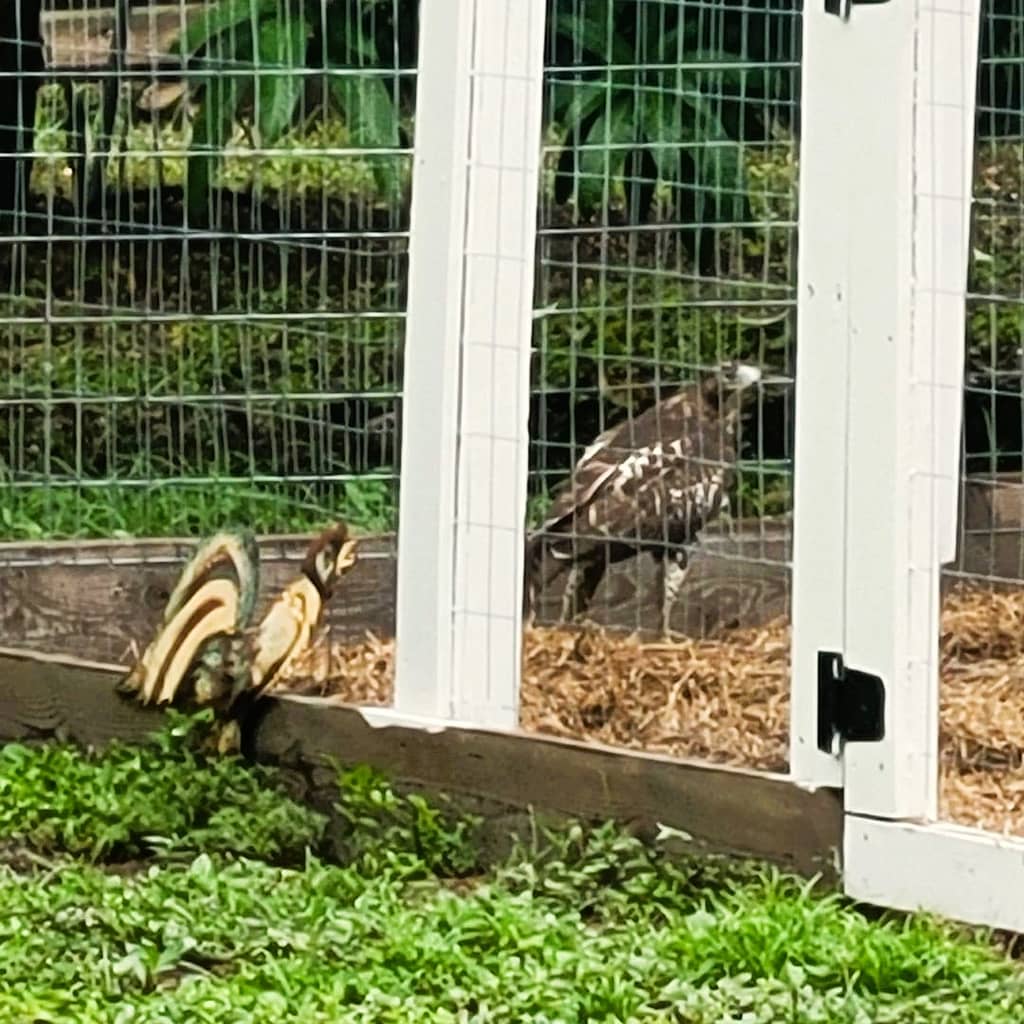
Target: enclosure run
(726,700)
(276,265)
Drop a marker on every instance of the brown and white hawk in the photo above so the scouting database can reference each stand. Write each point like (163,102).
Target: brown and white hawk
(648,484)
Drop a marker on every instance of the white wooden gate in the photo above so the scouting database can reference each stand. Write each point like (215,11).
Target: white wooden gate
(888,122)
(888,113)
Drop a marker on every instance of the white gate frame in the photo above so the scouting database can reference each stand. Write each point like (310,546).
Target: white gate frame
(467,361)
(886,169)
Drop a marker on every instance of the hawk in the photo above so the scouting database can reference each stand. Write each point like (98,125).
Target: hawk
(648,484)
(205,654)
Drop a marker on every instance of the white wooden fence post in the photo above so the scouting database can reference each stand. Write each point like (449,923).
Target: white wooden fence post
(886,159)
(819,471)
(430,400)
(466,387)
(906,387)
(501,233)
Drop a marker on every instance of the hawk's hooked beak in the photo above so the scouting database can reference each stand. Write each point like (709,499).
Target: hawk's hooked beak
(737,376)
(746,374)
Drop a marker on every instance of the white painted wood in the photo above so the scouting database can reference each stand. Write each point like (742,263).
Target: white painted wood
(906,369)
(821,387)
(961,873)
(430,402)
(947,47)
(886,778)
(888,96)
(466,388)
(948,37)
(505,150)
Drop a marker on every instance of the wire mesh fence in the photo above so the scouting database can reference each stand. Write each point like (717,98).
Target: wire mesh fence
(982,746)
(667,254)
(203,294)
(203,287)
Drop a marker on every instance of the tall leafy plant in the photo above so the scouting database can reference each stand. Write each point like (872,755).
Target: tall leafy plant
(250,62)
(637,102)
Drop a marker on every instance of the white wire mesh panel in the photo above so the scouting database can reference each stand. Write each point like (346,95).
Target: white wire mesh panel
(982,745)
(661,558)
(202,289)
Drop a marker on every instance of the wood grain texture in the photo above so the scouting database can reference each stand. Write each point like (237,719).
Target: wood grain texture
(722,809)
(82,39)
(95,599)
(992,529)
(45,697)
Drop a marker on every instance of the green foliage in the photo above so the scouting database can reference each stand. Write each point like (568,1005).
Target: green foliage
(587,924)
(407,835)
(129,801)
(256,54)
(186,509)
(647,91)
(157,430)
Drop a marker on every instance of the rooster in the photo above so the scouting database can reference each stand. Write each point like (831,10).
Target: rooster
(205,653)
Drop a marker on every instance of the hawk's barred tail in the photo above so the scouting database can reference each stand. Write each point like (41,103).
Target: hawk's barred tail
(197,640)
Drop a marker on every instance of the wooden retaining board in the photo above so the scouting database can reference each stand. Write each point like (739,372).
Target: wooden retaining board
(83,39)
(95,599)
(724,810)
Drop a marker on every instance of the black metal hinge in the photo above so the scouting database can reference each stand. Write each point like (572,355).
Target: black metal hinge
(841,8)
(851,703)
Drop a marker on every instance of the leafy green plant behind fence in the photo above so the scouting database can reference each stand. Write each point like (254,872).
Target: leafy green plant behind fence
(251,63)
(238,331)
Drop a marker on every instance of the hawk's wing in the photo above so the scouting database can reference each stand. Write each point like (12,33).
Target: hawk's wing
(629,481)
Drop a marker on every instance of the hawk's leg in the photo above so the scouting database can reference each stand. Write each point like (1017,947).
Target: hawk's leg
(674,566)
(580,588)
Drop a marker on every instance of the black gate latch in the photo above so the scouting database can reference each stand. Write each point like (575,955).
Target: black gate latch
(851,703)
(841,8)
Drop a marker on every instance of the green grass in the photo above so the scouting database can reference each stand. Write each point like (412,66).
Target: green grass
(187,510)
(241,906)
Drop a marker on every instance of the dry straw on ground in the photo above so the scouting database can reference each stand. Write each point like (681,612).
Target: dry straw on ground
(726,700)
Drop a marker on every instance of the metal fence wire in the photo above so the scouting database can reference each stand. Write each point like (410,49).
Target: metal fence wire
(203,272)
(667,249)
(203,293)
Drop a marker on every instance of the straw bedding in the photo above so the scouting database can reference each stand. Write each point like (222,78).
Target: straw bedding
(725,700)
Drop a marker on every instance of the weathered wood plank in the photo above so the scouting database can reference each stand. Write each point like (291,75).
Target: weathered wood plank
(96,599)
(82,39)
(44,696)
(992,525)
(723,809)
